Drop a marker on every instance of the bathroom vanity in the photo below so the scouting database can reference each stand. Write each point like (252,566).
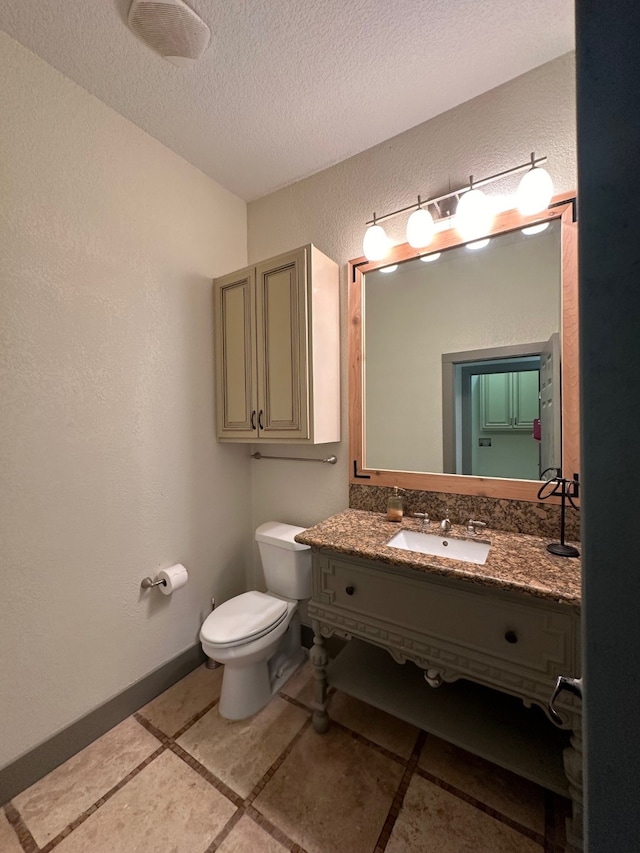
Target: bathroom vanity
(468,652)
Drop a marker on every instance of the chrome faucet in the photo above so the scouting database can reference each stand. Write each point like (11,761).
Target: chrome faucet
(425,519)
(445,524)
(474,526)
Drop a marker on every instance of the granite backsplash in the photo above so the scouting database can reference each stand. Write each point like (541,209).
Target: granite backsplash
(535,519)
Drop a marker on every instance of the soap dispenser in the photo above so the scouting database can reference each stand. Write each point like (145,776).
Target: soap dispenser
(394,506)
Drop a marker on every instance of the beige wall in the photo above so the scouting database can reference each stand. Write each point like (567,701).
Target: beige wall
(535,112)
(110,468)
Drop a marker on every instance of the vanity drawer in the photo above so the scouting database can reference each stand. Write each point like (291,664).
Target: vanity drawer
(448,620)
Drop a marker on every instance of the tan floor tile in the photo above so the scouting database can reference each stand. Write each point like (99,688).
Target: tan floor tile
(331,788)
(382,728)
(431,819)
(511,795)
(68,791)
(166,807)
(300,685)
(171,710)
(8,839)
(247,837)
(240,752)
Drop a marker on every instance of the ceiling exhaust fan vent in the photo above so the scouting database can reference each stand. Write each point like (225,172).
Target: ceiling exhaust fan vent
(171,28)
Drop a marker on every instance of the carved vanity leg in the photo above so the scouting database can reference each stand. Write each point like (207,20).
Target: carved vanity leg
(319,659)
(572,758)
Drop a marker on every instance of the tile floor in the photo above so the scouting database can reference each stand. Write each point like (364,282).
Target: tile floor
(177,777)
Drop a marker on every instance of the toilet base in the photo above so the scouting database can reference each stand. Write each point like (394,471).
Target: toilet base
(247,688)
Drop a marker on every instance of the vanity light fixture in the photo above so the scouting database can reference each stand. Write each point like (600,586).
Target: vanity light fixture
(534,190)
(420,227)
(427,259)
(376,245)
(474,214)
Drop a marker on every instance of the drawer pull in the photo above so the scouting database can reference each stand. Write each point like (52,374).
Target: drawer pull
(511,637)
(350,590)
(433,677)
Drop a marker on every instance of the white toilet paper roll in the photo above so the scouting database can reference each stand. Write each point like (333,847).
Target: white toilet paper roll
(174,577)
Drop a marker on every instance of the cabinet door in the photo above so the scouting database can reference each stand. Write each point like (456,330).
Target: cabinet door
(509,401)
(550,405)
(495,401)
(526,398)
(236,394)
(282,347)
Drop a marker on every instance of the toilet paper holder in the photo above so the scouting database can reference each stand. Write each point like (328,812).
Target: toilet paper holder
(168,580)
(147,583)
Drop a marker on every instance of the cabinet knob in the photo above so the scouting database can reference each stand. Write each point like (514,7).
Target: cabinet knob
(511,637)
(350,590)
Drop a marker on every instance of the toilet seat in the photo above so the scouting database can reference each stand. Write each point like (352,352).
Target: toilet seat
(246,617)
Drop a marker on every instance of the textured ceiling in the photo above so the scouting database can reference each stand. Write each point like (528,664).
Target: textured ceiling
(290,87)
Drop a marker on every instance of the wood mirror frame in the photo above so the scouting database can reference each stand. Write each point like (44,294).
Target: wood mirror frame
(563,208)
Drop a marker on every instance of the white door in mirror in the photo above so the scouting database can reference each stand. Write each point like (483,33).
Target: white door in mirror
(465,550)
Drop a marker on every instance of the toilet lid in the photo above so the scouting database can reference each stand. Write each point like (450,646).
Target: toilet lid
(245,617)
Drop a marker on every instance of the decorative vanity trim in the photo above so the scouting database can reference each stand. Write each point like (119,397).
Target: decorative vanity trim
(456,629)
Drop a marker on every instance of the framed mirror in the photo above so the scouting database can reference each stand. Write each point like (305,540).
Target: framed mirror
(463,362)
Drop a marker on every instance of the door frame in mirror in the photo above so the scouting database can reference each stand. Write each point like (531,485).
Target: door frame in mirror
(562,207)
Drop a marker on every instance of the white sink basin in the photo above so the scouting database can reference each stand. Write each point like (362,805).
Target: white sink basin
(465,550)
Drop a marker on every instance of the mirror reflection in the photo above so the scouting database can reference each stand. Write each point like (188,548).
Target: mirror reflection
(461,359)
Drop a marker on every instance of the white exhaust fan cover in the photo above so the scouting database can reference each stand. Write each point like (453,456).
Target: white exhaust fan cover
(171,28)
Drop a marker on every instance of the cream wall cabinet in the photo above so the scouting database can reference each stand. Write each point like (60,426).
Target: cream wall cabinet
(475,660)
(509,401)
(277,349)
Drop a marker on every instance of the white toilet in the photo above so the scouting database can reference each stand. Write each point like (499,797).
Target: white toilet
(256,635)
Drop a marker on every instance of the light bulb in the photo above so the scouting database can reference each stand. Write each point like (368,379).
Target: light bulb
(390,268)
(420,228)
(479,244)
(427,259)
(474,215)
(535,229)
(534,191)
(376,243)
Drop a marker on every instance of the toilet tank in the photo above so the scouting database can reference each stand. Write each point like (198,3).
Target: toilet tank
(286,563)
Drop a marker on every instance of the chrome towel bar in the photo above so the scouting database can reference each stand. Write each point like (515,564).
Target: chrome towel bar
(331,460)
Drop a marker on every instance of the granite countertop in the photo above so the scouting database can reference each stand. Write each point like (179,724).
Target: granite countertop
(515,562)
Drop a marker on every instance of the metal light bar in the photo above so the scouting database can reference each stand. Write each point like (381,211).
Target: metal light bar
(534,161)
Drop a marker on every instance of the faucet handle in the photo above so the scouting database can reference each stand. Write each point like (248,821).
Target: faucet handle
(474,526)
(424,516)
